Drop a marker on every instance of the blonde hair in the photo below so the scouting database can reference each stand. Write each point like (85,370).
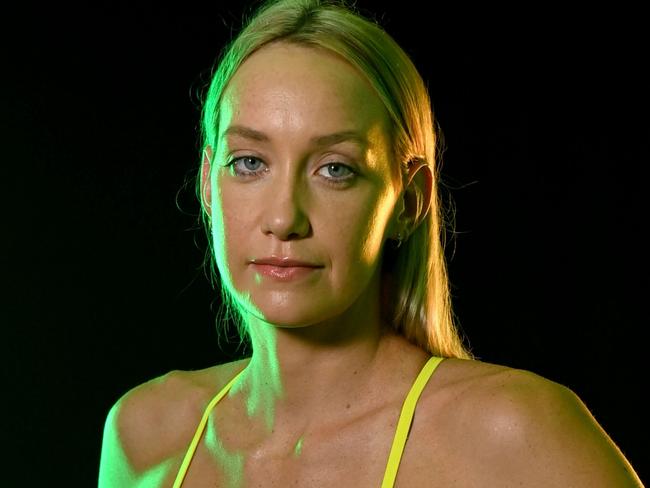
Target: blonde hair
(421,310)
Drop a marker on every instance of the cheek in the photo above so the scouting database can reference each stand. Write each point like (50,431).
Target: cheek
(355,239)
(228,225)
(373,227)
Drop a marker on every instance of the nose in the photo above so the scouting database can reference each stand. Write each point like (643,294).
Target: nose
(285,215)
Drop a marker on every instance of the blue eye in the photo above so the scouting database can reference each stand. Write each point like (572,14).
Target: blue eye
(245,166)
(249,172)
(338,172)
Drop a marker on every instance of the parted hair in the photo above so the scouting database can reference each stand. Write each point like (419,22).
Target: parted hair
(415,282)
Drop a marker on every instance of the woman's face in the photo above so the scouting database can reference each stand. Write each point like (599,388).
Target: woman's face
(295,189)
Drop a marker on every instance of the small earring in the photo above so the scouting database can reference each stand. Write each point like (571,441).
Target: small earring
(399,239)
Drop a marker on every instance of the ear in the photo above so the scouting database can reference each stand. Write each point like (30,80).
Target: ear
(206,184)
(416,196)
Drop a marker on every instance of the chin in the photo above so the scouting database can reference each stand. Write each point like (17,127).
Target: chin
(292,315)
(289,320)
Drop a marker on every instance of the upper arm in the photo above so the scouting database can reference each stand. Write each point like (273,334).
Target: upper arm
(114,467)
(142,433)
(540,433)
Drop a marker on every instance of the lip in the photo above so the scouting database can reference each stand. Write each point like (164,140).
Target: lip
(284,261)
(284,273)
(284,268)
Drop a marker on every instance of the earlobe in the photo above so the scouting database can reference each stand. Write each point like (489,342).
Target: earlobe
(206,185)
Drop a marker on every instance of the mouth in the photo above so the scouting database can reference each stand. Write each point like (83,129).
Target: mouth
(284,273)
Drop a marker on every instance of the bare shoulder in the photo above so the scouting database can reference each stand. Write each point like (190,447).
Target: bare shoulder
(524,429)
(155,421)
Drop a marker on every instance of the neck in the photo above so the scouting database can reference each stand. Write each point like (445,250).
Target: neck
(312,373)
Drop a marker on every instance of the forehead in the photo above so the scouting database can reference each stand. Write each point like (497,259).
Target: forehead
(296,88)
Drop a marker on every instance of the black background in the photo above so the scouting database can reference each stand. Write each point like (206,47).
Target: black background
(546,130)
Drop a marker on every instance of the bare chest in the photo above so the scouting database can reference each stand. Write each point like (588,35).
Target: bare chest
(352,455)
(347,456)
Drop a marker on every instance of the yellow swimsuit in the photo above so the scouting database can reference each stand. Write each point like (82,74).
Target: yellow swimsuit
(399,441)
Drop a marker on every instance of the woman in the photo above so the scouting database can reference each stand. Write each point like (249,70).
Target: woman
(319,188)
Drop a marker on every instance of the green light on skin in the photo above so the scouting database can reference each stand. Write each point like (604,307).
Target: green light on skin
(156,476)
(232,464)
(261,380)
(260,383)
(261,386)
(116,470)
(297,450)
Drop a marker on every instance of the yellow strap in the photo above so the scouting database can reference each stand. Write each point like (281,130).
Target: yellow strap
(199,432)
(405,419)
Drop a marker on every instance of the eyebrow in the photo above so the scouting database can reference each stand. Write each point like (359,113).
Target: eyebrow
(318,141)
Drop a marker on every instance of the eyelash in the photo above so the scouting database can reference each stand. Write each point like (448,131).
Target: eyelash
(332,181)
